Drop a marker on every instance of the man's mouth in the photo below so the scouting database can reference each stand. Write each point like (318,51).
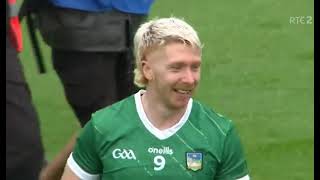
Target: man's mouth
(183,91)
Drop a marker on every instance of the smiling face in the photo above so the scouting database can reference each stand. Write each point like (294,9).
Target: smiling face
(173,72)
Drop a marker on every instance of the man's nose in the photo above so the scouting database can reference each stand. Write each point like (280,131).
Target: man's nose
(189,76)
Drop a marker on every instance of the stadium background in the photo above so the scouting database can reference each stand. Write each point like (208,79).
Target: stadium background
(257,70)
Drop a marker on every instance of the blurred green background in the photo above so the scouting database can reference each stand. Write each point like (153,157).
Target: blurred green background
(257,70)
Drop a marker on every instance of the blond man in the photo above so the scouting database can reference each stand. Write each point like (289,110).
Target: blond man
(160,132)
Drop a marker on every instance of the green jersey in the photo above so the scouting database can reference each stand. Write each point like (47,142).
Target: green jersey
(119,142)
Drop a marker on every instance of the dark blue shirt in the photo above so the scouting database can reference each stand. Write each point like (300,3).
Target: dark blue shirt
(128,6)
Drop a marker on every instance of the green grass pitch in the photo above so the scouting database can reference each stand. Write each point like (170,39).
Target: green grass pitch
(257,70)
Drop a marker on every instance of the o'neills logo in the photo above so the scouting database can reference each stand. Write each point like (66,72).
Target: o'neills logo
(162,150)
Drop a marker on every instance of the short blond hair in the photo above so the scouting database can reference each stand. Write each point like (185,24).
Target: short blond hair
(159,32)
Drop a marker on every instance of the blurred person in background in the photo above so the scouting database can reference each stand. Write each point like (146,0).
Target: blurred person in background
(91,46)
(24,148)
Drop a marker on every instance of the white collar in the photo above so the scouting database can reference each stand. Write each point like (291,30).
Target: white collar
(160,134)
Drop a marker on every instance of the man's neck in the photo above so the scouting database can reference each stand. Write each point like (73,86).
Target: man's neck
(161,116)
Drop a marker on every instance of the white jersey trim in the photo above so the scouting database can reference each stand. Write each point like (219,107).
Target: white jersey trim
(246,177)
(160,134)
(83,175)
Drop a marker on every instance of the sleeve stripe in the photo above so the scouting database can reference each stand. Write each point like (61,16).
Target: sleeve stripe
(246,177)
(79,171)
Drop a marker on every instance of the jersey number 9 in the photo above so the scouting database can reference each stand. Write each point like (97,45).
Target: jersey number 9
(159,162)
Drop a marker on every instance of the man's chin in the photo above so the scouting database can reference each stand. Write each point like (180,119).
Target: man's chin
(181,103)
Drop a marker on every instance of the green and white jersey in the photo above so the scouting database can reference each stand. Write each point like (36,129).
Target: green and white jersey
(120,143)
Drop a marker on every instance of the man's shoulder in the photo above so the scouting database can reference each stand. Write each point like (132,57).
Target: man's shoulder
(206,114)
(115,113)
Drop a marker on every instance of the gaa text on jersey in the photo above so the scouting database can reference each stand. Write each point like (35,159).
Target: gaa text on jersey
(123,154)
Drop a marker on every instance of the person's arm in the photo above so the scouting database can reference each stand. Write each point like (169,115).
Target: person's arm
(54,169)
(68,174)
(233,162)
(84,162)
(73,171)
(246,177)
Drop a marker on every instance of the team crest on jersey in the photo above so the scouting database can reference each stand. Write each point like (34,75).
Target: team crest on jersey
(194,160)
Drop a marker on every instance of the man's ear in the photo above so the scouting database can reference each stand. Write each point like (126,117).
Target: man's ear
(147,70)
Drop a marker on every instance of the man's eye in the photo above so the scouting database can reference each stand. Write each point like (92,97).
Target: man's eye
(195,67)
(175,67)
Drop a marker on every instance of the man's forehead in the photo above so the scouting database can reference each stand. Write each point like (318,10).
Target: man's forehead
(172,49)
